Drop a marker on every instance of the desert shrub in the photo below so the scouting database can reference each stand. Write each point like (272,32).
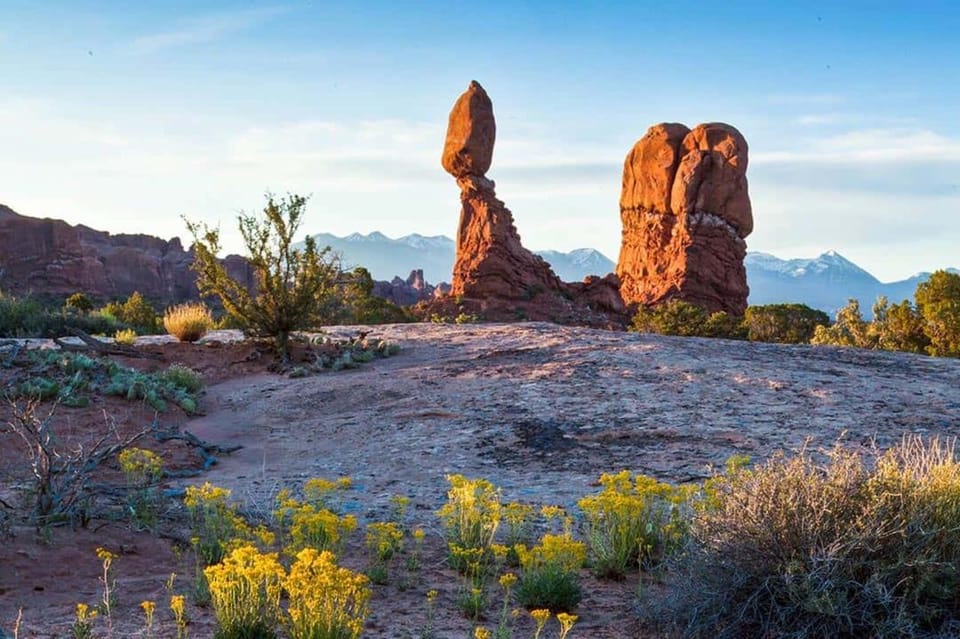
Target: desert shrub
(79,302)
(125,337)
(361,306)
(245,593)
(842,547)
(139,313)
(679,317)
(783,323)
(60,486)
(183,377)
(549,577)
(214,522)
(326,601)
(188,322)
(293,285)
(313,522)
(470,518)
(849,329)
(29,317)
(633,520)
(673,317)
(723,325)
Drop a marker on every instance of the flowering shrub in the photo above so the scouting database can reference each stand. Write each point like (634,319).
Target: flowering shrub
(470,517)
(245,593)
(213,520)
(326,601)
(633,520)
(310,525)
(550,578)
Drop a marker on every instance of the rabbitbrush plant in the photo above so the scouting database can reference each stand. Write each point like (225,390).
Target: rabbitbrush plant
(245,592)
(294,287)
(633,520)
(326,601)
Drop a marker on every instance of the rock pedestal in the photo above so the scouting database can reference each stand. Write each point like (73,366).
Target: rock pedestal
(491,262)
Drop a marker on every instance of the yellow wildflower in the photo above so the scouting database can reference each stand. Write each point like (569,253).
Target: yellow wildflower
(566,623)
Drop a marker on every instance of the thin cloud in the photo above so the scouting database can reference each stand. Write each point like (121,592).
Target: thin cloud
(806,98)
(205,29)
(869,146)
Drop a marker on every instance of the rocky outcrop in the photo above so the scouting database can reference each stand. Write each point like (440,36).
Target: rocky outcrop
(51,258)
(685,210)
(409,291)
(491,262)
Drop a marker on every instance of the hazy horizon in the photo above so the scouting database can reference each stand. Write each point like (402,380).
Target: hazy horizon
(123,118)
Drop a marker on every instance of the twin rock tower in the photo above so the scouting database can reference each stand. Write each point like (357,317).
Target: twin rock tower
(684,206)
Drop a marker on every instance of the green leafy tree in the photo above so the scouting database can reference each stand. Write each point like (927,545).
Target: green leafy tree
(79,302)
(938,301)
(295,287)
(898,327)
(361,306)
(849,329)
(139,313)
(783,323)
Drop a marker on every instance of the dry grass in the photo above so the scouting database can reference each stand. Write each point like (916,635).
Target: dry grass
(188,322)
(853,546)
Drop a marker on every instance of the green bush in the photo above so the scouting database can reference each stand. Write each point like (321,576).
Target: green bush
(633,520)
(295,287)
(550,573)
(679,317)
(843,547)
(29,317)
(783,323)
(79,302)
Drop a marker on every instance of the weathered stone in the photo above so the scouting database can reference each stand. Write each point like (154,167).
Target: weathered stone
(491,262)
(471,132)
(685,210)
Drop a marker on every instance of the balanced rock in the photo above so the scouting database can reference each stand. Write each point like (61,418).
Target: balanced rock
(471,132)
(491,262)
(686,210)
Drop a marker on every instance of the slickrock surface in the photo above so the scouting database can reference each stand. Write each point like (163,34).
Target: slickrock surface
(686,210)
(542,409)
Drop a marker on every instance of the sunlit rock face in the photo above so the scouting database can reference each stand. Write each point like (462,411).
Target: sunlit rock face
(685,210)
(491,262)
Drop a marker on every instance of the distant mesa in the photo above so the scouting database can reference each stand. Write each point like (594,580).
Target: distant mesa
(685,211)
(51,258)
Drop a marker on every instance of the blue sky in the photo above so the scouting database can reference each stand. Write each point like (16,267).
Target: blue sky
(124,117)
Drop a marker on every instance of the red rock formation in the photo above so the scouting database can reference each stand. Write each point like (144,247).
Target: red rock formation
(406,292)
(491,262)
(686,211)
(51,258)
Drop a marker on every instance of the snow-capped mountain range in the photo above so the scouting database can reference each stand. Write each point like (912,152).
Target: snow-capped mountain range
(825,282)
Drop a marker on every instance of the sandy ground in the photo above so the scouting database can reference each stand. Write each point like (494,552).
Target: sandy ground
(538,409)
